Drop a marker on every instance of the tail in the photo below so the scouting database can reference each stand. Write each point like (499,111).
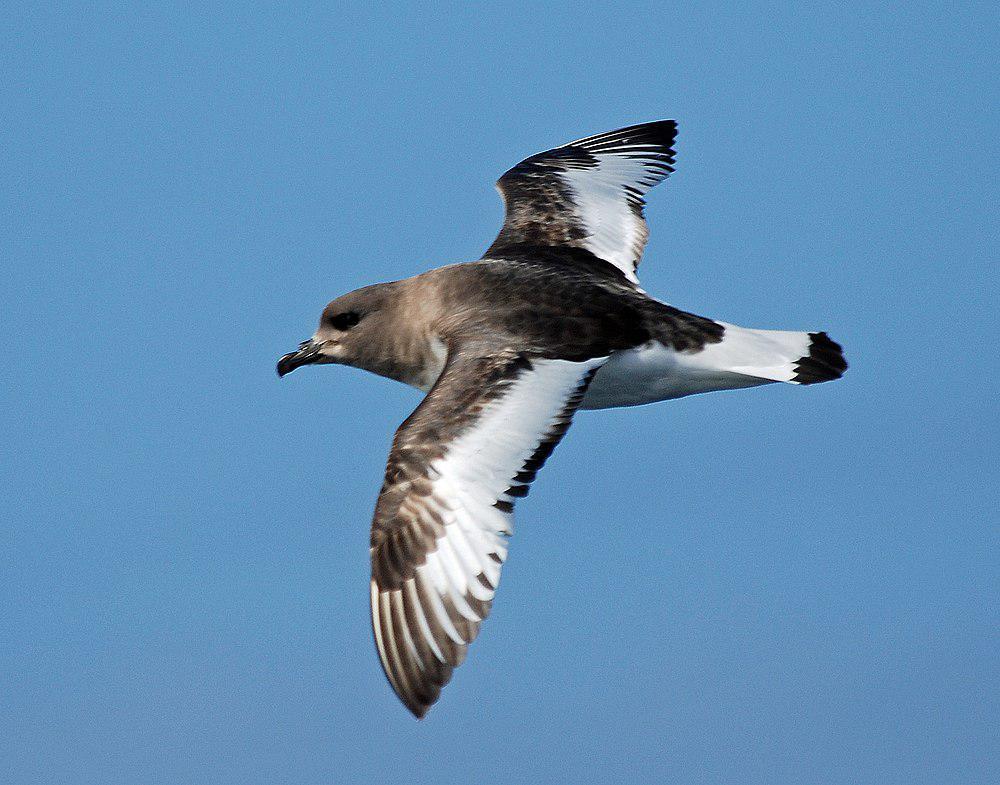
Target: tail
(779,356)
(743,358)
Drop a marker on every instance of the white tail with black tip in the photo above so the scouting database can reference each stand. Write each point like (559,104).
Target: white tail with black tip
(743,358)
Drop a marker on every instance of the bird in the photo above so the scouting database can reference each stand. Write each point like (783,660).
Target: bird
(507,348)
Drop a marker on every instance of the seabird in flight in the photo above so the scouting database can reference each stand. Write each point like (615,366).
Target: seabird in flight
(550,320)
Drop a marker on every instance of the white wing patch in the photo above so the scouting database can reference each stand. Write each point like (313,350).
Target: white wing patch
(609,207)
(587,194)
(422,627)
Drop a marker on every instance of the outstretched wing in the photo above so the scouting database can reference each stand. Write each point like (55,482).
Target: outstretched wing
(439,536)
(588,194)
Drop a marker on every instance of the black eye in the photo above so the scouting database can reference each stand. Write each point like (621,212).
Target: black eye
(344,321)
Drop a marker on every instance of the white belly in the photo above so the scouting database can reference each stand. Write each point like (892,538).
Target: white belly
(654,372)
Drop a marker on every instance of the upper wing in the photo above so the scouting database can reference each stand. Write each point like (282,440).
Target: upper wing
(588,194)
(438,539)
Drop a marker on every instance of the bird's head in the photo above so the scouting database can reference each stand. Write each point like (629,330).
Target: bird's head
(352,331)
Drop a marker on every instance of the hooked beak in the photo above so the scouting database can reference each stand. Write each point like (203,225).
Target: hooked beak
(308,353)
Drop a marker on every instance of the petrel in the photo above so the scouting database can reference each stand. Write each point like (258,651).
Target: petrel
(550,320)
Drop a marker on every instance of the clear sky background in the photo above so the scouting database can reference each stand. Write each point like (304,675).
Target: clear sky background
(774,585)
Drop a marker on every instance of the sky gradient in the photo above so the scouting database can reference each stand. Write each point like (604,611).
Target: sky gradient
(772,585)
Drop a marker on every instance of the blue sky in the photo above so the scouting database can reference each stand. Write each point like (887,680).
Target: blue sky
(773,585)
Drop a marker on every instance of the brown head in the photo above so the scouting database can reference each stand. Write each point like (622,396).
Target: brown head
(353,330)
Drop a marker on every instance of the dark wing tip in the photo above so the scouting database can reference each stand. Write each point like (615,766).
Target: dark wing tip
(417,709)
(659,135)
(418,691)
(824,363)
(653,140)
(655,132)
